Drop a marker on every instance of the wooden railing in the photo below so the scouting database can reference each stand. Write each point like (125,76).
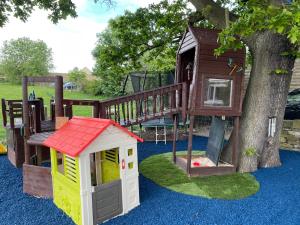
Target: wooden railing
(127,110)
(69,103)
(140,107)
(11,109)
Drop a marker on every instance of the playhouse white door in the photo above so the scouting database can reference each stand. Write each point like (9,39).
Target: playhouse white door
(130,179)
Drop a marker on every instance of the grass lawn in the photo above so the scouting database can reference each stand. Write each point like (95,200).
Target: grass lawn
(9,91)
(161,170)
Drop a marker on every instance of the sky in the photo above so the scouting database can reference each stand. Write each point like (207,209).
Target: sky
(71,40)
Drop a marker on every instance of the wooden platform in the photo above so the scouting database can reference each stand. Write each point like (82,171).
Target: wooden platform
(221,169)
(39,138)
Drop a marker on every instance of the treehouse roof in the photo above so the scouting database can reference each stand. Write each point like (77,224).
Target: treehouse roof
(195,36)
(79,132)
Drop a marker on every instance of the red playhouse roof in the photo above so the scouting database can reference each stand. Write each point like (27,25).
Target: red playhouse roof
(73,137)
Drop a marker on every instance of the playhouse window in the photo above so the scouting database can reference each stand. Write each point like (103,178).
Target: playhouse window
(130,165)
(130,152)
(70,168)
(67,166)
(105,166)
(218,92)
(60,162)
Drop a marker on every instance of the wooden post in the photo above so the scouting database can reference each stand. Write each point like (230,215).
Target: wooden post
(96,110)
(37,116)
(174,137)
(154,104)
(26,119)
(235,149)
(184,101)
(190,144)
(11,117)
(59,92)
(102,111)
(52,110)
(4,112)
(42,109)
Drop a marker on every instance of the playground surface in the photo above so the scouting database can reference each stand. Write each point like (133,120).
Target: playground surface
(277,201)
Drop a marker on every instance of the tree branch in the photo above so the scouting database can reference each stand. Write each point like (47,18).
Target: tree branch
(215,14)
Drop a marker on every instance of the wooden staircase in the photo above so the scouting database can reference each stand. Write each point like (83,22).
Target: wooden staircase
(141,107)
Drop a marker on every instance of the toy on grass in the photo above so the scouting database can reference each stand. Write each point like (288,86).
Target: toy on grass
(94,169)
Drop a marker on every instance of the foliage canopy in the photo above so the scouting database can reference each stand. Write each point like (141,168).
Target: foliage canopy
(22,56)
(22,9)
(281,17)
(146,39)
(77,76)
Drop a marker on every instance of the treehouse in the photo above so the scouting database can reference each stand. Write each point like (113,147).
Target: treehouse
(214,88)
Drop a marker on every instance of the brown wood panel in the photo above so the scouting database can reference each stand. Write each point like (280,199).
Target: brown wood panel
(214,67)
(11,155)
(217,59)
(209,49)
(213,112)
(15,146)
(41,79)
(208,171)
(205,171)
(37,181)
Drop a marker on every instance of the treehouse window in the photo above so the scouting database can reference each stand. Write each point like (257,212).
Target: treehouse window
(218,92)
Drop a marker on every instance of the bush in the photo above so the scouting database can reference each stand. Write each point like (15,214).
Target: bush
(92,87)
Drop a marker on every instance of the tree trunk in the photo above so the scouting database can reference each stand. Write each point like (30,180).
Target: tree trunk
(265,97)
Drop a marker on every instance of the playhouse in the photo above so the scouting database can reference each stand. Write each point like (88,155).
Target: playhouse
(94,169)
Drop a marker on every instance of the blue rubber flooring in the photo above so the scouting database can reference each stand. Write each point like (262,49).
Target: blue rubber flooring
(277,202)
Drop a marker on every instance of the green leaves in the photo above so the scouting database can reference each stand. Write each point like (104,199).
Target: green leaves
(146,39)
(280,71)
(255,16)
(77,76)
(25,57)
(22,9)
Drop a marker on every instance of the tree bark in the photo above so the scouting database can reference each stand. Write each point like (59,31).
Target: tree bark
(265,97)
(266,94)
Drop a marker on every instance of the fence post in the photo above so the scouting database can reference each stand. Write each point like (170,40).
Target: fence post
(96,109)
(102,113)
(184,101)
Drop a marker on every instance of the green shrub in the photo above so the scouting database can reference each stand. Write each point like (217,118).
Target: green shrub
(92,87)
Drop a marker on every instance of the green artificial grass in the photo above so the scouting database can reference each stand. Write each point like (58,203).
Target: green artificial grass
(9,91)
(161,170)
